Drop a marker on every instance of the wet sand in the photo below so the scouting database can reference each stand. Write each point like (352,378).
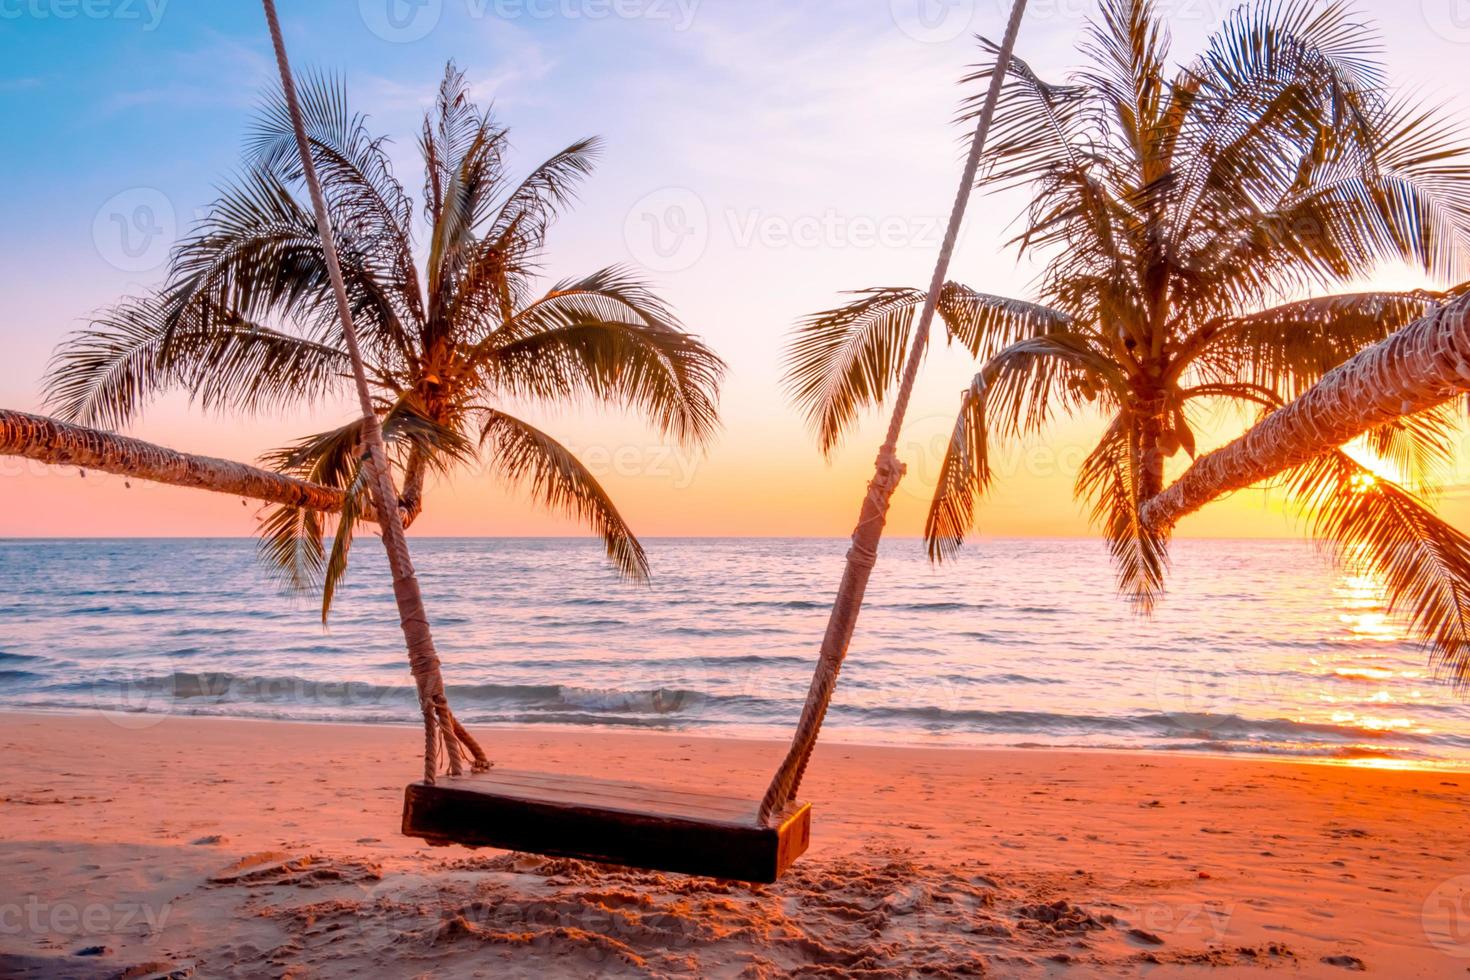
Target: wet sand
(207,847)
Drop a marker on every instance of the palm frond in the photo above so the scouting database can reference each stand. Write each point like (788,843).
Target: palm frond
(1288,348)
(609,338)
(1422,562)
(256,253)
(1110,478)
(963,478)
(556,479)
(531,205)
(106,374)
(334,569)
(1014,393)
(1423,447)
(363,195)
(1037,126)
(987,324)
(844,360)
(292,540)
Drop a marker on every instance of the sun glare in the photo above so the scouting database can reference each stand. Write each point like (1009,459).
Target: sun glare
(1378,468)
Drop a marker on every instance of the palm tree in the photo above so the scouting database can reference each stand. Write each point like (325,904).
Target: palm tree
(46,440)
(1183,214)
(1422,560)
(246,322)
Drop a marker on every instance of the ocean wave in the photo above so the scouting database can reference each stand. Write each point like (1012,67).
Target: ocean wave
(1215,729)
(185,687)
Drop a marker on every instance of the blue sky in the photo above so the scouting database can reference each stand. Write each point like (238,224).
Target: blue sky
(809,146)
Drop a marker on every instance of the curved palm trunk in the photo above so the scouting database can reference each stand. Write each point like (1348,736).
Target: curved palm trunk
(411,497)
(1421,366)
(440,726)
(47,440)
(888,472)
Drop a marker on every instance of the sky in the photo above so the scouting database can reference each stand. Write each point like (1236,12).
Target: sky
(761,157)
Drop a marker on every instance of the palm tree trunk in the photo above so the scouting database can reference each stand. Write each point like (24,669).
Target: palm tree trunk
(62,444)
(1421,366)
(411,498)
(440,726)
(887,473)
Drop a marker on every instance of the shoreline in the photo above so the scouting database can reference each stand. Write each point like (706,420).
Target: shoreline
(247,847)
(947,742)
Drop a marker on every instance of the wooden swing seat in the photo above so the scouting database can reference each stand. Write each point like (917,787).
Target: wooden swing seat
(610,821)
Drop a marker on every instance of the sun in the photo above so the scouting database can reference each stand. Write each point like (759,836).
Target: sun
(1379,469)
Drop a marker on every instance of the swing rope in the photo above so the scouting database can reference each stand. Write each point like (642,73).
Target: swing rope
(441,729)
(863,554)
(440,726)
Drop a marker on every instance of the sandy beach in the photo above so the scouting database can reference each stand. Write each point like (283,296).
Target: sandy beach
(263,849)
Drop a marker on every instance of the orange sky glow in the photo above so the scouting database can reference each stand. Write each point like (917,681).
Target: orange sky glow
(794,200)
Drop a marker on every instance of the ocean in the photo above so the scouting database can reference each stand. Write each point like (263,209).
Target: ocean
(1260,647)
